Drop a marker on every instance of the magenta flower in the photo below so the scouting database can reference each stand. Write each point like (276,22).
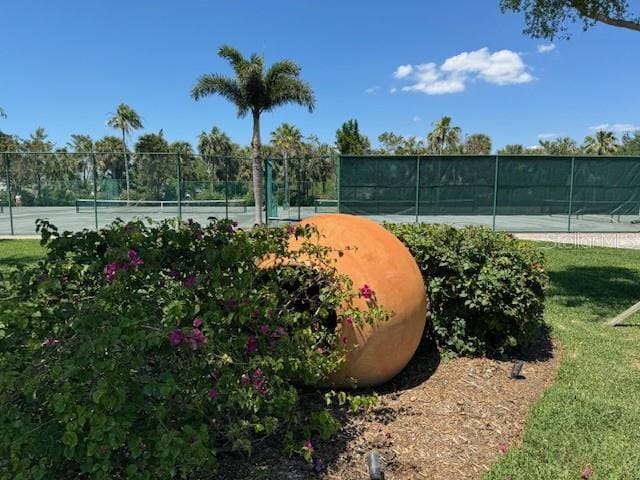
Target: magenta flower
(349,320)
(212,393)
(366,292)
(189,221)
(264,329)
(197,338)
(344,340)
(190,281)
(50,342)
(197,323)
(110,271)
(134,259)
(308,445)
(173,274)
(176,337)
(291,230)
(252,344)
(245,380)
(258,381)
(279,332)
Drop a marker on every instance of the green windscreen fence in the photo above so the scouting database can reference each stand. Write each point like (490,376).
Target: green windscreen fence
(515,193)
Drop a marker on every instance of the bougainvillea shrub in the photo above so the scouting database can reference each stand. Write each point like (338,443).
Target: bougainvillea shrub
(485,289)
(142,351)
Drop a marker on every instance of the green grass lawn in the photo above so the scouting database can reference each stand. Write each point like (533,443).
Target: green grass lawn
(14,252)
(591,415)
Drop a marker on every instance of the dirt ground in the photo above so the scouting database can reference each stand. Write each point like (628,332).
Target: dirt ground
(436,420)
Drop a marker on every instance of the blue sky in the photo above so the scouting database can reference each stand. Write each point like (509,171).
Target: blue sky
(67,64)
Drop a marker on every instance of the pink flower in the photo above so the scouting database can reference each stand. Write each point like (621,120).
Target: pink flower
(258,381)
(197,338)
(190,281)
(291,229)
(586,473)
(344,340)
(134,259)
(503,448)
(212,393)
(110,271)
(321,350)
(366,292)
(252,344)
(349,320)
(264,329)
(176,337)
(50,342)
(197,323)
(279,332)
(245,380)
(308,446)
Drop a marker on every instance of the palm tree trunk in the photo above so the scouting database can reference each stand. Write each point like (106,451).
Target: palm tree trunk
(126,164)
(258,174)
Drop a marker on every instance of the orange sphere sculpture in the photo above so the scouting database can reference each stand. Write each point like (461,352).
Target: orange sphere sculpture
(375,258)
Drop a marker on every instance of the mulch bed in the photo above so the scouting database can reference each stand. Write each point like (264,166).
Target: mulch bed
(436,420)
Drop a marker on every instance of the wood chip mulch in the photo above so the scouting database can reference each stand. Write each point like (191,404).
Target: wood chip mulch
(436,420)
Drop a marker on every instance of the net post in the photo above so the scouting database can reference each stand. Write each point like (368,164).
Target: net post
(495,193)
(226,187)
(179,184)
(338,164)
(417,187)
(7,162)
(573,161)
(95,188)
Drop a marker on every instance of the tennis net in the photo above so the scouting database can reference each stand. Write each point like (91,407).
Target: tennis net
(84,205)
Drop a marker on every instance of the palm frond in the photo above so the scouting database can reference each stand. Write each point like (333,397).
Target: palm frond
(216,84)
(286,90)
(233,56)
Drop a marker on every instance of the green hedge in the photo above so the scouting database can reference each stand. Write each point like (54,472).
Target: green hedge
(485,289)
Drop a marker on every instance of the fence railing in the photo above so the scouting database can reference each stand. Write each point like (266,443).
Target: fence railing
(515,193)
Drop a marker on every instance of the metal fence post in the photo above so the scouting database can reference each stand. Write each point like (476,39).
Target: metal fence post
(179,186)
(573,161)
(95,187)
(299,187)
(338,164)
(417,187)
(7,161)
(226,187)
(495,193)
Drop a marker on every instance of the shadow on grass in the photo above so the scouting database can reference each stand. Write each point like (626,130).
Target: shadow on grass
(601,289)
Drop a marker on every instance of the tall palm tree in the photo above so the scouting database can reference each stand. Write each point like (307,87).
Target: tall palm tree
(125,119)
(255,91)
(287,139)
(478,144)
(444,135)
(602,143)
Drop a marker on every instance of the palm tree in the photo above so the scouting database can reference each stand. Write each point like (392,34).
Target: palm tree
(255,91)
(444,134)
(126,119)
(602,143)
(477,144)
(214,144)
(287,139)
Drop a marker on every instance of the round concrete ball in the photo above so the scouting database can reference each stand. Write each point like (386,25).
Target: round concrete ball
(375,257)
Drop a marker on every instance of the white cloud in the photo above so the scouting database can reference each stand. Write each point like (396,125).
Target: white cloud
(393,90)
(403,71)
(546,48)
(416,118)
(544,136)
(372,89)
(504,67)
(616,127)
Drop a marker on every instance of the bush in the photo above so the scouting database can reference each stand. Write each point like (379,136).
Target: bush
(485,289)
(141,351)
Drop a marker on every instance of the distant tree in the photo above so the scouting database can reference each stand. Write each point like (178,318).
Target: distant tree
(152,168)
(287,141)
(82,145)
(445,137)
(321,161)
(216,145)
(394,144)
(350,141)
(254,90)
(37,166)
(512,149)
(559,146)
(109,162)
(125,119)
(630,144)
(549,18)
(188,163)
(477,144)
(601,143)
